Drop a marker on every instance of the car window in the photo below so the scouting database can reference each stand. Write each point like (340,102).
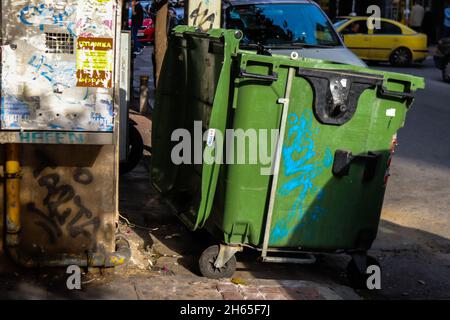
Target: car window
(357,27)
(388,28)
(339,22)
(281,24)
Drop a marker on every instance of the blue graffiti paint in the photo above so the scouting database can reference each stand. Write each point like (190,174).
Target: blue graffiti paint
(44,15)
(62,75)
(51,137)
(301,165)
(104,123)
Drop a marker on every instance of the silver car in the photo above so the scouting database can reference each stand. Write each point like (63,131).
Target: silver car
(286,26)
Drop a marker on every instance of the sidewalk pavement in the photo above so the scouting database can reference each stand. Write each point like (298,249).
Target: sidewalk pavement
(172,288)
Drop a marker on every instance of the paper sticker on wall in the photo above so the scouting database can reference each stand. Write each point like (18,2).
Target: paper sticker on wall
(95,61)
(57,74)
(94,18)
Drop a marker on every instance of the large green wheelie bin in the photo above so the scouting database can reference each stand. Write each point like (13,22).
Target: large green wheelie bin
(334,126)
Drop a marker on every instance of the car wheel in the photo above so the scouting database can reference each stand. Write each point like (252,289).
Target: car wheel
(401,57)
(446,73)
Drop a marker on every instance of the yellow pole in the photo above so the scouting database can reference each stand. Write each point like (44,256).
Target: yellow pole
(13,224)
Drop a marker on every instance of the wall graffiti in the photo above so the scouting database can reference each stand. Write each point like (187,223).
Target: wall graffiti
(51,137)
(85,23)
(302,165)
(62,207)
(204,15)
(41,15)
(39,73)
(59,76)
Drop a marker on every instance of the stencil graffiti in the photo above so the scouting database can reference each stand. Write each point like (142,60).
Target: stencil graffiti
(302,165)
(62,208)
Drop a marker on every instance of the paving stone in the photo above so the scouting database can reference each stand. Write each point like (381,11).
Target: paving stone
(272,290)
(293,294)
(274,296)
(249,289)
(110,291)
(227,287)
(253,296)
(310,293)
(329,294)
(295,283)
(264,282)
(232,296)
(28,291)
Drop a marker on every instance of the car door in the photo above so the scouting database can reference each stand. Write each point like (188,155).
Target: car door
(384,40)
(357,39)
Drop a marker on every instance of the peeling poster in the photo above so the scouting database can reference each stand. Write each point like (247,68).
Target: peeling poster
(94,60)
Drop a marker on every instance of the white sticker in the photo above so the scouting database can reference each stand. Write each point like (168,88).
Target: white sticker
(211,137)
(390,112)
(294,55)
(344,82)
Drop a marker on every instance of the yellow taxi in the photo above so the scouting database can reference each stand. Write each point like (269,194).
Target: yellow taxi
(389,41)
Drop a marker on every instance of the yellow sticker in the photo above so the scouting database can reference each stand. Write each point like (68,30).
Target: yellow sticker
(94,62)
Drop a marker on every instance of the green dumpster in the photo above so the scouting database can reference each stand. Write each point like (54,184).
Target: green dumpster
(328,130)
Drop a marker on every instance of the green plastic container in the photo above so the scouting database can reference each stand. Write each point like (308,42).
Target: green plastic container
(337,125)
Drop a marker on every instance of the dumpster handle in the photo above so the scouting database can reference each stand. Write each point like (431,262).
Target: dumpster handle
(395,94)
(343,160)
(408,95)
(271,77)
(277,160)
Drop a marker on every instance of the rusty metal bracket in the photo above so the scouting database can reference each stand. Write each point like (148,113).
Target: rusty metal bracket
(10,176)
(226,252)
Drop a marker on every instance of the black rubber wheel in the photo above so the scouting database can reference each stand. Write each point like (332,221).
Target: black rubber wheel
(401,57)
(357,279)
(446,73)
(207,268)
(135,151)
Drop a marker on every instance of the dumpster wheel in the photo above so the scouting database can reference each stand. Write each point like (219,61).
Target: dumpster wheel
(207,266)
(356,271)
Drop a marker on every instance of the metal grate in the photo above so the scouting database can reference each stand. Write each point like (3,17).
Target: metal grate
(59,43)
